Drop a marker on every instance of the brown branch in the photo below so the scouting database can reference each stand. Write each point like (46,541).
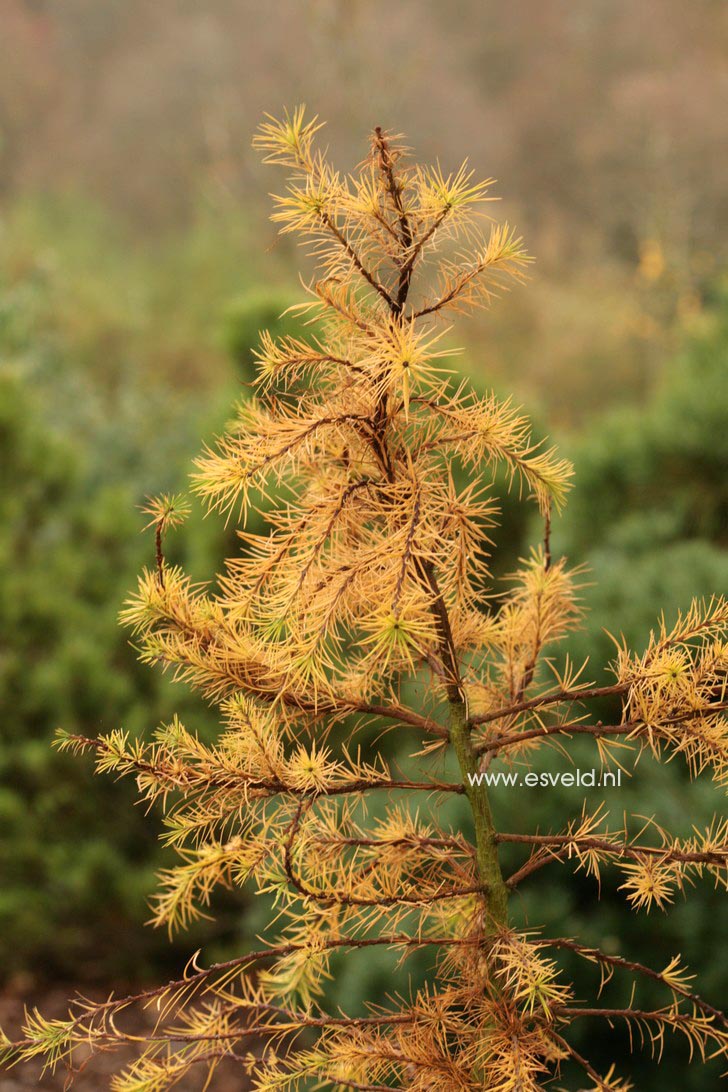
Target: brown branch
(330,300)
(295,1022)
(580,1060)
(547,559)
(314,357)
(596,954)
(356,260)
(550,699)
(349,491)
(519,694)
(395,188)
(627,727)
(551,845)
(514,738)
(358,421)
(362,1087)
(159,551)
(242,962)
(339,898)
(662,1017)
(533,864)
(273,786)
(413,840)
(447,652)
(459,286)
(398,712)
(424,239)
(620,849)
(407,553)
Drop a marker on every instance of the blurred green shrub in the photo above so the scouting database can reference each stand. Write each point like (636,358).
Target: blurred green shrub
(91,419)
(246,315)
(649,510)
(76,859)
(649,517)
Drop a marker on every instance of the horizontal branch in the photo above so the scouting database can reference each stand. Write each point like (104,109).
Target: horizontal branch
(664,1016)
(575,728)
(628,727)
(413,840)
(293,1021)
(549,699)
(338,898)
(552,847)
(360,1087)
(394,711)
(597,955)
(240,963)
(620,849)
(267,786)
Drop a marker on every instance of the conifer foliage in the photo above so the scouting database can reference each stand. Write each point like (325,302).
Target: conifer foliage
(368,603)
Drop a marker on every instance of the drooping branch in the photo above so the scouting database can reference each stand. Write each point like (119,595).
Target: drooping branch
(596,955)
(585,1064)
(555,846)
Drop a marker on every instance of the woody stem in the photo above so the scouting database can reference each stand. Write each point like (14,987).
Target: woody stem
(486,844)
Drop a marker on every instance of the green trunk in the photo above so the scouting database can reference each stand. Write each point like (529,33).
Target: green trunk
(496,892)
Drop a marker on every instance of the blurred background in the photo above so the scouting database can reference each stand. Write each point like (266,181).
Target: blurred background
(137,265)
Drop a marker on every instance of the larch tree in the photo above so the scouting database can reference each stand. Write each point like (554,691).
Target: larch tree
(367,603)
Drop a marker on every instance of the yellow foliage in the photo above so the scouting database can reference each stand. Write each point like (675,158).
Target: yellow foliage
(371,584)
